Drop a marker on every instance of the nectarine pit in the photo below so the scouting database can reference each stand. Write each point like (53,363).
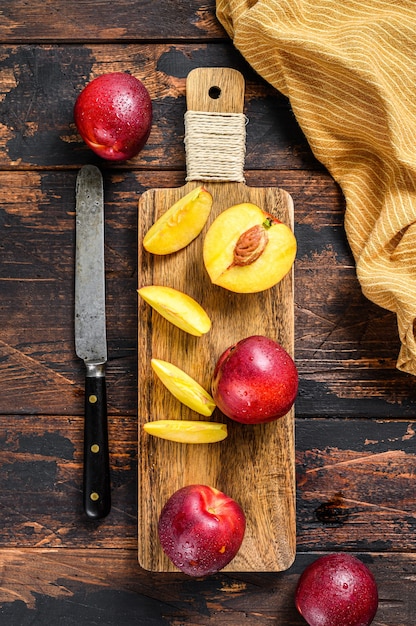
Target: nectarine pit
(250,246)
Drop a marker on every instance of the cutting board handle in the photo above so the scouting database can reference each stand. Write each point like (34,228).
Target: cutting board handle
(215,90)
(215,136)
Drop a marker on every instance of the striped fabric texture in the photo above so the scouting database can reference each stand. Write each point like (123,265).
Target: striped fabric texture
(348,68)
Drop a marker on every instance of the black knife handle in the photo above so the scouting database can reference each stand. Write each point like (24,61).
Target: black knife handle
(97,489)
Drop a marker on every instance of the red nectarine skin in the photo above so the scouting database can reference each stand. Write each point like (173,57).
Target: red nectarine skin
(201,529)
(113,114)
(337,590)
(255,381)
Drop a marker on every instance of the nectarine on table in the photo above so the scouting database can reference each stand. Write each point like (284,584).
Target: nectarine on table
(337,590)
(113,115)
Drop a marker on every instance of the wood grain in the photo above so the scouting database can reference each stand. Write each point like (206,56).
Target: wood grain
(353,486)
(255,465)
(345,347)
(105,586)
(355,412)
(147,19)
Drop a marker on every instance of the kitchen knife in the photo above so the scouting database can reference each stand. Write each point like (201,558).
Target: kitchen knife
(90,337)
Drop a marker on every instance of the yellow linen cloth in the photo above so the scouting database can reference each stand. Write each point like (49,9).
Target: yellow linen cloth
(348,68)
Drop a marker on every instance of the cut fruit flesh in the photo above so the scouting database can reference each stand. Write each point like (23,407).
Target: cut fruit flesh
(180,224)
(184,387)
(178,308)
(262,262)
(187,431)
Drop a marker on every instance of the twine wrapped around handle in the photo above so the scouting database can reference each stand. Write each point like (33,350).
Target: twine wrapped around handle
(215,145)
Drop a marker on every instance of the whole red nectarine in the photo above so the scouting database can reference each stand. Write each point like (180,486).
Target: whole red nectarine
(255,381)
(201,529)
(113,114)
(337,590)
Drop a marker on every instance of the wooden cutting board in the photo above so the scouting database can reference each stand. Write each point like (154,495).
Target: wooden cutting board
(254,464)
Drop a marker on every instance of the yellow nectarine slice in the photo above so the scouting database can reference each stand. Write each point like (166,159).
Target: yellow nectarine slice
(184,387)
(187,431)
(180,224)
(178,308)
(246,250)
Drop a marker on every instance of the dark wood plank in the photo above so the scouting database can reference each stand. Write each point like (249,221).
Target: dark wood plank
(354,490)
(39,86)
(89,20)
(354,484)
(41,484)
(106,586)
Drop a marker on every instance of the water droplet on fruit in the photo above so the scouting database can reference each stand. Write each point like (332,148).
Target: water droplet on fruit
(345,585)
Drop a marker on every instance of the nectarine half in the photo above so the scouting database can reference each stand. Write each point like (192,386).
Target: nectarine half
(246,250)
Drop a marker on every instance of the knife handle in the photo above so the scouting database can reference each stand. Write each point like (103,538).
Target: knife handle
(97,490)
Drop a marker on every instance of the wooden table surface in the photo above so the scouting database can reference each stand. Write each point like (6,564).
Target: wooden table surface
(355,413)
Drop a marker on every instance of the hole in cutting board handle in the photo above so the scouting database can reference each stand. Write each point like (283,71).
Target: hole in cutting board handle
(214,92)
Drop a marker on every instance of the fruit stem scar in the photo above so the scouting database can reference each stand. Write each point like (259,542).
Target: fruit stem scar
(268,222)
(212,512)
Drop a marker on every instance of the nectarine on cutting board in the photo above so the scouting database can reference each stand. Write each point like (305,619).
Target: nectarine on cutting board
(254,464)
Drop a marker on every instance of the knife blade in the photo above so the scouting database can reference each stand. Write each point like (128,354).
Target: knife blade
(90,337)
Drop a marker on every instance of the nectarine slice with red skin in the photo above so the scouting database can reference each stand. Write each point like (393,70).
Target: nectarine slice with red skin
(178,308)
(180,224)
(184,387)
(247,250)
(187,431)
